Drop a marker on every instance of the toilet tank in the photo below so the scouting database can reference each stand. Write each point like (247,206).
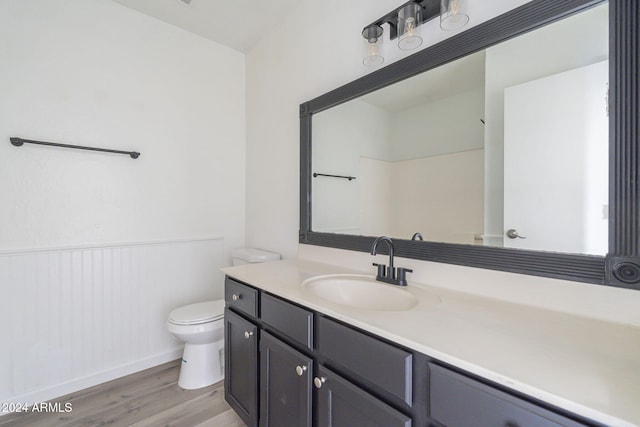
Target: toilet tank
(251,255)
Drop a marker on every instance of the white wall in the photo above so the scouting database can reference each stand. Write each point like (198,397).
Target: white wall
(93,72)
(445,195)
(424,157)
(76,317)
(343,136)
(316,49)
(442,126)
(375,197)
(439,196)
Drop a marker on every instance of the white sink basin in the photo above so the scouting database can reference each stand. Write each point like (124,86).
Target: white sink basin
(360,291)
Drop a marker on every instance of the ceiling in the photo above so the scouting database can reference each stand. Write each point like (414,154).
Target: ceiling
(238,24)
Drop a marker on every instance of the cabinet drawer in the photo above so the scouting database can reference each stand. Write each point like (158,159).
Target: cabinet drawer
(458,401)
(293,321)
(383,365)
(241,297)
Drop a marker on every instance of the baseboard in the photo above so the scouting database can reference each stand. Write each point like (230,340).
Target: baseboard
(49,393)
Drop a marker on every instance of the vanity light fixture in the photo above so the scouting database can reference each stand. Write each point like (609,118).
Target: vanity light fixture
(409,36)
(372,46)
(405,25)
(454,14)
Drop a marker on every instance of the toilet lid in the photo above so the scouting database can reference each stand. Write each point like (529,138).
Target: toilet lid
(201,312)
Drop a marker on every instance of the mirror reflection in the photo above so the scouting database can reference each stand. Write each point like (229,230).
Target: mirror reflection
(505,147)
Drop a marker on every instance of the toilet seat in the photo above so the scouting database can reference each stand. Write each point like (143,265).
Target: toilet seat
(196,314)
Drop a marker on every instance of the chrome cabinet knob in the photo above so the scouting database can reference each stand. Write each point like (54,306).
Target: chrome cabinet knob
(318,381)
(235,297)
(300,370)
(248,334)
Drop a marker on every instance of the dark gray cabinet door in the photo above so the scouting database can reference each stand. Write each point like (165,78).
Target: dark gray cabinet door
(285,384)
(342,404)
(241,366)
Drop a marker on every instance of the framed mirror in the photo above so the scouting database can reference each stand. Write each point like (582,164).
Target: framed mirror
(508,147)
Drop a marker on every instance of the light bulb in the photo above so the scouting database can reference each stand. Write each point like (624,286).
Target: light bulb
(372,46)
(409,27)
(454,14)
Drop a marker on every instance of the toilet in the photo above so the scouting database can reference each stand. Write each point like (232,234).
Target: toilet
(201,327)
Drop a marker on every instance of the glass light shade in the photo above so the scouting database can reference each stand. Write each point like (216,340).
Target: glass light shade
(372,46)
(454,14)
(409,29)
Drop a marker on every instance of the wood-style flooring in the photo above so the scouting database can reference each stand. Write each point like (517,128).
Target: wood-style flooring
(147,398)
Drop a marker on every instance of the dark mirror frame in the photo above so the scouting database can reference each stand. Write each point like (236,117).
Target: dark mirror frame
(621,266)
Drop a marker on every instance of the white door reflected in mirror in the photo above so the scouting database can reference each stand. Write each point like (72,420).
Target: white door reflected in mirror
(555,182)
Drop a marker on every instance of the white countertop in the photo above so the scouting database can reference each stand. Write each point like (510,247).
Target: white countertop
(587,366)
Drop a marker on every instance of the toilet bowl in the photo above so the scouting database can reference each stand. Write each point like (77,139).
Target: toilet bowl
(201,327)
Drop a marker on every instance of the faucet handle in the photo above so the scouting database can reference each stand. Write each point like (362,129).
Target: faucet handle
(382,269)
(401,275)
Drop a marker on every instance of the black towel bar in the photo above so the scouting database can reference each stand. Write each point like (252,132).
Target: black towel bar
(334,176)
(19,141)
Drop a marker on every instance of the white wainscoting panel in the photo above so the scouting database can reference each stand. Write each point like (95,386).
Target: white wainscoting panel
(76,317)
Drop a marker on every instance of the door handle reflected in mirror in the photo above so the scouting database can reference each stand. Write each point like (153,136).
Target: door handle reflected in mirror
(512,233)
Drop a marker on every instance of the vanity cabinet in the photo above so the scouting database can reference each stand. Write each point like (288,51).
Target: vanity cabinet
(274,368)
(287,365)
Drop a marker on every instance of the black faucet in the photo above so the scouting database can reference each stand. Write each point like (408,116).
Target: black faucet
(417,236)
(390,274)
